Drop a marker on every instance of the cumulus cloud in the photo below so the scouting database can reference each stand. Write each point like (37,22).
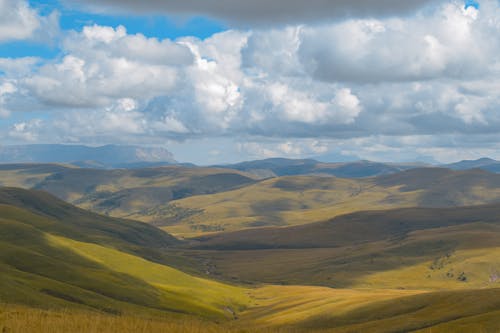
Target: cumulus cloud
(18,67)
(102,64)
(421,48)
(364,85)
(18,21)
(26,131)
(6,89)
(264,11)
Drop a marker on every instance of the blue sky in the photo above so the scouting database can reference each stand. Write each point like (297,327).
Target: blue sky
(228,80)
(158,26)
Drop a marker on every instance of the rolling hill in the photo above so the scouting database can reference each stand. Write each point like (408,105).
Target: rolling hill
(411,248)
(296,200)
(278,167)
(486,164)
(189,201)
(401,270)
(55,254)
(137,193)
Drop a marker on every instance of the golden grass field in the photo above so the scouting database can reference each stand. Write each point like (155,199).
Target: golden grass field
(291,309)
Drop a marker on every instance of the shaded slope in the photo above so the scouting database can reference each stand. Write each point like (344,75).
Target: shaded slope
(487,164)
(414,248)
(56,255)
(139,193)
(56,216)
(355,228)
(443,187)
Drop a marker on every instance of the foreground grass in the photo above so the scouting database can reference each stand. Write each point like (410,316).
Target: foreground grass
(18,319)
(291,309)
(21,319)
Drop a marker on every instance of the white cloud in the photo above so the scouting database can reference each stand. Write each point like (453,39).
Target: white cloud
(6,89)
(171,124)
(419,48)
(18,67)
(295,148)
(303,106)
(26,131)
(101,68)
(432,73)
(18,21)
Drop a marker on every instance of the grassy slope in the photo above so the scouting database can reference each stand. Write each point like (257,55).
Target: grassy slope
(417,312)
(294,309)
(44,262)
(354,228)
(139,193)
(192,201)
(410,248)
(41,263)
(305,199)
(21,319)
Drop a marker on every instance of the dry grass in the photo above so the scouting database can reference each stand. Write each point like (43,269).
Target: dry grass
(16,319)
(298,200)
(20,319)
(277,306)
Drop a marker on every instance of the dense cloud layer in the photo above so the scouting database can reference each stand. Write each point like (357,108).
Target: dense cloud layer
(363,87)
(265,11)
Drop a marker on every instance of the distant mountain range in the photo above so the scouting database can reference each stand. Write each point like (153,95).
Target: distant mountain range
(136,157)
(487,164)
(277,167)
(109,156)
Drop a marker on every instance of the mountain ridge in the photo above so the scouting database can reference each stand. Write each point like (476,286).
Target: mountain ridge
(107,156)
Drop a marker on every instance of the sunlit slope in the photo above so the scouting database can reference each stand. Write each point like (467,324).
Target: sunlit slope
(374,310)
(305,199)
(293,310)
(182,291)
(52,256)
(411,248)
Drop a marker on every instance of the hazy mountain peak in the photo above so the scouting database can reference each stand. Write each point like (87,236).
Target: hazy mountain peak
(105,156)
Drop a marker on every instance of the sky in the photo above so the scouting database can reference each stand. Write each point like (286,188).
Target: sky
(220,81)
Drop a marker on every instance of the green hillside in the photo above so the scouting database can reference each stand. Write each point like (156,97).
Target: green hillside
(54,254)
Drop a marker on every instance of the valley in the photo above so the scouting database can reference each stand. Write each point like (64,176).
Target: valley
(191,201)
(317,262)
